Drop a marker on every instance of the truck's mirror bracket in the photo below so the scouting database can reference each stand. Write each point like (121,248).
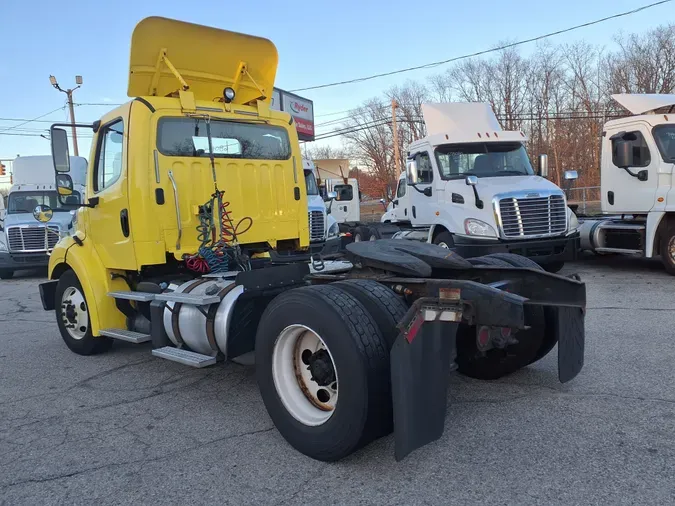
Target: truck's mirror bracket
(642,175)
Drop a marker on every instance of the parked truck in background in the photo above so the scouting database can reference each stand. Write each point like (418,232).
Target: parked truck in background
(324,231)
(187,198)
(25,244)
(469,186)
(636,182)
(343,197)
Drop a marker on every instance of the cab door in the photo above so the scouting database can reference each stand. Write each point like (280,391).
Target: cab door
(400,202)
(622,192)
(419,206)
(108,222)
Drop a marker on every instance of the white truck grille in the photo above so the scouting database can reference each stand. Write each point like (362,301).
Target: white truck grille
(529,215)
(316,226)
(32,238)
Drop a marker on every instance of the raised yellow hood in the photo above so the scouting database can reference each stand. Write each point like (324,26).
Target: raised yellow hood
(208,60)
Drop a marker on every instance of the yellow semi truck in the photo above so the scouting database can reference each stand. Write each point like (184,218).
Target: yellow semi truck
(192,236)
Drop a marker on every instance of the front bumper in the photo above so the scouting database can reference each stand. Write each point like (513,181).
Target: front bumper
(17,261)
(543,251)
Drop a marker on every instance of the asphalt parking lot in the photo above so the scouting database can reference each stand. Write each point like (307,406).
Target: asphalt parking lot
(127,428)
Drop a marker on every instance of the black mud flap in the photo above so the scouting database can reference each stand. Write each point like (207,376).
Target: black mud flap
(420,369)
(569,326)
(48,294)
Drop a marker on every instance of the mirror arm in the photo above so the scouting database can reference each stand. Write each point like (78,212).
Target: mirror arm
(76,125)
(479,202)
(641,175)
(414,185)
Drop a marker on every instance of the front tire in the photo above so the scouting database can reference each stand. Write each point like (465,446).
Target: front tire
(72,317)
(321,338)
(6,274)
(444,240)
(667,249)
(361,234)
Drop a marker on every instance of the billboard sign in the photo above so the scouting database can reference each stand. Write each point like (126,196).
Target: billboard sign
(301,109)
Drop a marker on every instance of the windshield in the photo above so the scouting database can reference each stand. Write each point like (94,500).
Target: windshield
(483,160)
(310,182)
(665,140)
(230,139)
(25,202)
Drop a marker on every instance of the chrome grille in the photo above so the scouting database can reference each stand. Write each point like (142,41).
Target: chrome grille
(316,226)
(540,216)
(33,238)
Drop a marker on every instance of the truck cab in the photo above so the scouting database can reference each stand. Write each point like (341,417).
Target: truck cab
(25,243)
(470,186)
(636,173)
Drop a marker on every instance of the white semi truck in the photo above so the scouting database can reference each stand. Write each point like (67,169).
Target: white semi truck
(24,243)
(469,186)
(636,171)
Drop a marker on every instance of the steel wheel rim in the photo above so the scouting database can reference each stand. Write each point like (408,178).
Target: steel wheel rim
(443,245)
(74,313)
(303,397)
(372,238)
(357,237)
(671,249)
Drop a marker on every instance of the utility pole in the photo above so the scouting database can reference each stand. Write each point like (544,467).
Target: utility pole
(69,94)
(394,106)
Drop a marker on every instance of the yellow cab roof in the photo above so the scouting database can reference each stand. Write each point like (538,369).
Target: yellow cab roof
(207,58)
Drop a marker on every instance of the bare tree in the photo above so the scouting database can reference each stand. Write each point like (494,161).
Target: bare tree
(327,152)
(644,63)
(368,134)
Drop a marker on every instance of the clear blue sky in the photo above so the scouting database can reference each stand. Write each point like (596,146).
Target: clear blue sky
(318,41)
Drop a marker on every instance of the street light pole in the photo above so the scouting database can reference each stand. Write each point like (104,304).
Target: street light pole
(69,94)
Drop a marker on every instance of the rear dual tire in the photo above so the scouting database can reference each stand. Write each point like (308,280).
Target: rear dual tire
(325,317)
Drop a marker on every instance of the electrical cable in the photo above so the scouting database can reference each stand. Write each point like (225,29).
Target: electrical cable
(34,119)
(485,51)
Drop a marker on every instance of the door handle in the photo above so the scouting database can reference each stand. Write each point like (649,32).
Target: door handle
(124,222)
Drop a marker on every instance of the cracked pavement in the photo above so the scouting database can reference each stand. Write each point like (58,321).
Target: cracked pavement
(128,428)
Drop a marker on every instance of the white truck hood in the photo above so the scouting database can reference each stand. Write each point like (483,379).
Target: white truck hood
(495,185)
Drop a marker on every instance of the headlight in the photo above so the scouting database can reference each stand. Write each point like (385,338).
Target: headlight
(573,222)
(333,230)
(479,228)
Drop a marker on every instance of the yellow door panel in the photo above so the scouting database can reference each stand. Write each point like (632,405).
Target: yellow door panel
(108,223)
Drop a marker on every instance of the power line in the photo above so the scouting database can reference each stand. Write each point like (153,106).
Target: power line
(34,119)
(486,51)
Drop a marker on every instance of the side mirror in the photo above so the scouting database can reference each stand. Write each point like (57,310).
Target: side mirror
(389,193)
(64,184)
(471,180)
(542,170)
(411,173)
(382,201)
(623,156)
(64,188)
(570,175)
(60,153)
(427,191)
(332,195)
(43,213)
